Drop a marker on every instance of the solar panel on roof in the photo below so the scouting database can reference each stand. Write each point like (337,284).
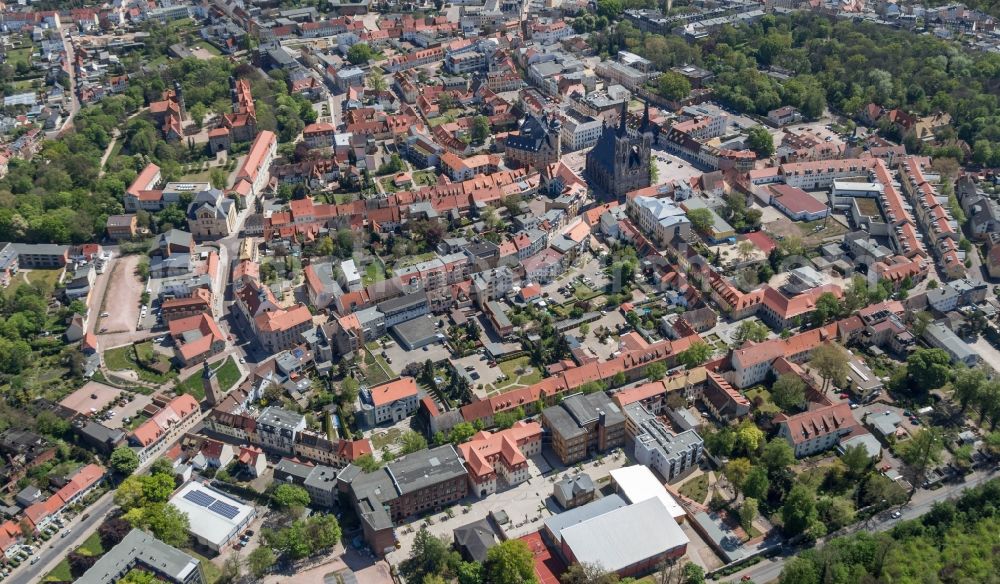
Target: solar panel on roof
(199,498)
(225,509)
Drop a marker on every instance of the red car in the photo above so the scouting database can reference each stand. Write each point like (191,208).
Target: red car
(844,396)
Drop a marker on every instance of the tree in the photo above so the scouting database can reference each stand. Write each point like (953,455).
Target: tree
(968,386)
(756,483)
(751,330)
(701,219)
(413,442)
(882,491)
(789,391)
(376,81)
(163,520)
(587,574)
(800,571)
(799,511)
(692,574)
(830,360)
(748,436)
(461,433)
(673,86)
(828,307)
(430,555)
(80,563)
(760,141)
(928,368)
(777,455)
(921,451)
(162,465)
(510,562)
(367,463)
(856,460)
(113,531)
(360,53)
(480,130)
(124,461)
(288,496)
(695,355)
(748,512)
(736,471)
(656,371)
(835,512)
(323,531)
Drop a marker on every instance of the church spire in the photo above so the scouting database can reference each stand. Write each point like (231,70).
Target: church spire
(646,126)
(623,122)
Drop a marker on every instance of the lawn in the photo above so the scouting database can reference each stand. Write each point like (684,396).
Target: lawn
(228,373)
(46,278)
(413,260)
(761,400)
(583,292)
(383,438)
(60,573)
(424,177)
(374,272)
(136,421)
(15,56)
(520,373)
(211,571)
(695,489)
(210,48)
(90,547)
(124,358)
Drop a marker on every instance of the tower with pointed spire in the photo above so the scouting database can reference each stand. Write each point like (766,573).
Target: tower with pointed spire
(619,163)
(210,382)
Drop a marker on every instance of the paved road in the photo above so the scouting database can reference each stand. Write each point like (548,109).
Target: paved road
(56,549)
(61,546)
(770,570)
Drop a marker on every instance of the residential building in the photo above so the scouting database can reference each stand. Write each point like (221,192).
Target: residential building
(196,338)
(122,227)
(939,336)
(660,218)
(501,457)
(584,424)
(427,480)
(278,429)
(139,550)
(211,215)
(659,448)
(319,480)
(389,402)
(323,450)
(165,422)
(574,490)
(817,430)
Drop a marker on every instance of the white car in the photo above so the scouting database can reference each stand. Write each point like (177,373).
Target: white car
(897,514)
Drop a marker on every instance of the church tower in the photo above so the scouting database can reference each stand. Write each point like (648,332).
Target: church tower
(210,382)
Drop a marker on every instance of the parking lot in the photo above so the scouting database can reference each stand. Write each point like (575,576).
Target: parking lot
(121,305)
(670,168)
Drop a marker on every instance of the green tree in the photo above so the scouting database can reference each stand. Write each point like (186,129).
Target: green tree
(748,512)
(760,141)
(367,463)
(656,371)
(461,433)
(430,555)
(921,451)
(695,355)
(673,86)
(856,460)
(288,496)
(828,307)
(756,483)
(799,510)
(736,471)
(835,512)
(928,368)
(609,9)
(163,520)
(124,461)
(751,330)
(510,562)
(692,574)
(789,391)
(323,531)
(830,360)
(260,561)
(360,53)
(480,130)
(777,455)
(587,574)
(748,436)
(198,112)
(968,386)
(701,219)
(413,442)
